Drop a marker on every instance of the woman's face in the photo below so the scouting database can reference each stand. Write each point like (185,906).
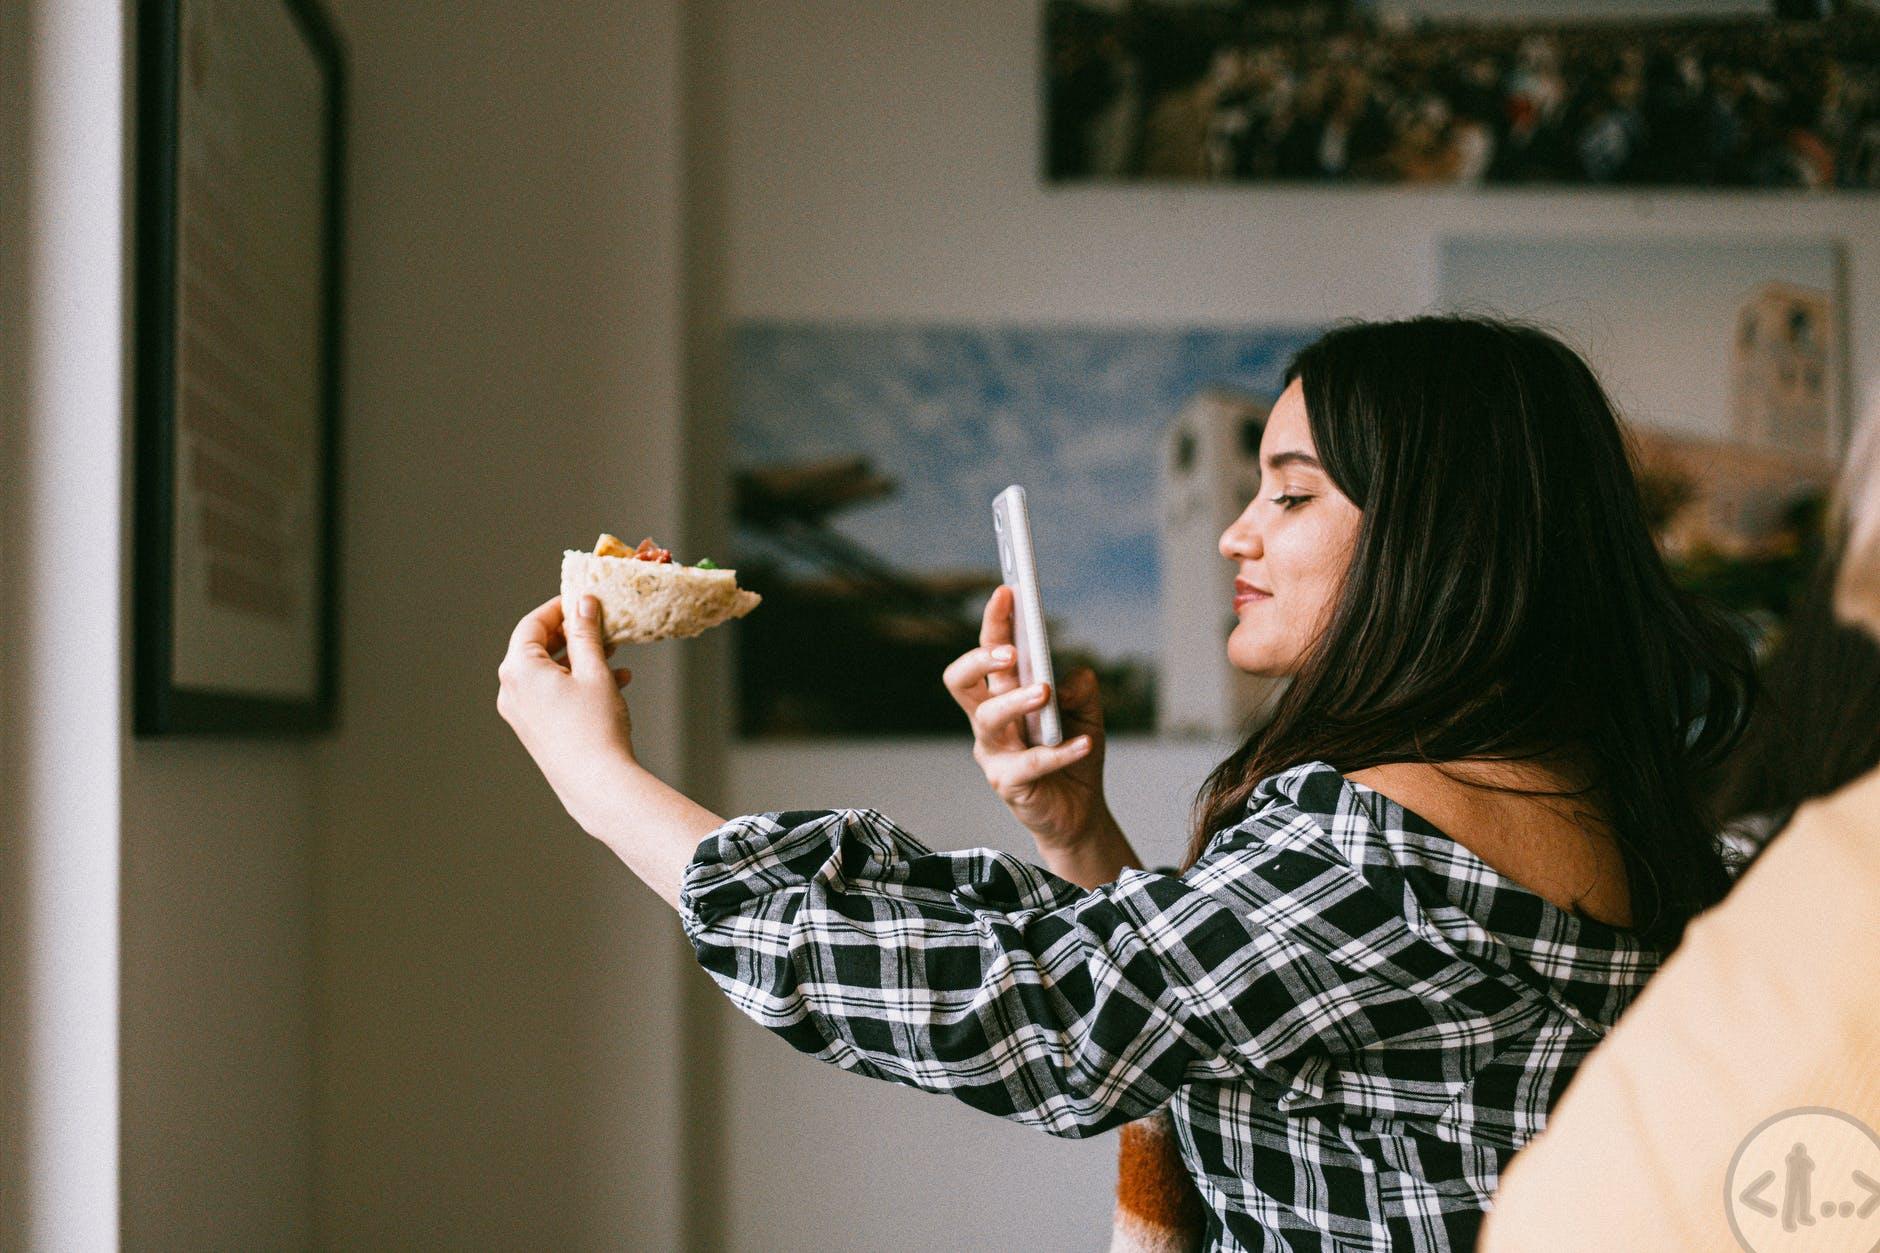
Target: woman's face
(1290,545)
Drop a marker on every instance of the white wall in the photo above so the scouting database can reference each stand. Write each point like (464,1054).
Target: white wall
(155,1050)
(497,1019)
(497,1000)
(61,723)
(880,162)
(216,968)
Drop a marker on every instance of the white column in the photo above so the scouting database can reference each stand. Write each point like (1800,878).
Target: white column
(62,424)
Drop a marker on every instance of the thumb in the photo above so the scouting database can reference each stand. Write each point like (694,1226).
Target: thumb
(1081,705)
(587,653)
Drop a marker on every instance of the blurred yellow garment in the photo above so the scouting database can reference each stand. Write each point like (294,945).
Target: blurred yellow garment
(1771,1003)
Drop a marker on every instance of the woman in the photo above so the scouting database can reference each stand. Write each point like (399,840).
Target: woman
(1411,902)
(1761,1037)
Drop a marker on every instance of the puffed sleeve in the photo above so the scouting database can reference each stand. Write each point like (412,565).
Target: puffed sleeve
(978,975)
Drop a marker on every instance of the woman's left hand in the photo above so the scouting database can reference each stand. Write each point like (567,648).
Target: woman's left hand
(573,719)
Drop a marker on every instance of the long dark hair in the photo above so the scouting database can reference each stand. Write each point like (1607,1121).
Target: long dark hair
(1504,601)
(1817,725)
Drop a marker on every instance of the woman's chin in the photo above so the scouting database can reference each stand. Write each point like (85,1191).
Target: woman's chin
(1258,662)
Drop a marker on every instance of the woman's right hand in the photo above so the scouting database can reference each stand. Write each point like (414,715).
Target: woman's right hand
(1056,792)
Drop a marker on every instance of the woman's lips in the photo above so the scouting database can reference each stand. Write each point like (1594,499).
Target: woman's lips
(1246,593)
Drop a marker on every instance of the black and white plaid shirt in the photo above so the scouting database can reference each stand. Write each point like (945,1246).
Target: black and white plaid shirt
(1358,1021)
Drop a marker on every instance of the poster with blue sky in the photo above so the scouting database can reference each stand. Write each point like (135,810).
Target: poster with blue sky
(867,457)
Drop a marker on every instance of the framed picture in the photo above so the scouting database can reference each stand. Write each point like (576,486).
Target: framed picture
(1727,360)
(868,455)
(241,120)
(1718,94)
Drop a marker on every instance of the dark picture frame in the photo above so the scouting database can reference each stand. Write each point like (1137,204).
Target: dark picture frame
(237,365)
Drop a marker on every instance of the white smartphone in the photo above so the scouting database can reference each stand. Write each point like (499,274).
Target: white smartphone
(1011,524)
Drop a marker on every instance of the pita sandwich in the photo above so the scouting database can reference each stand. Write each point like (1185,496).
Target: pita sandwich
(645,595)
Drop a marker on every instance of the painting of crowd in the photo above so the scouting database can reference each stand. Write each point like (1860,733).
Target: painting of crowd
(1329,92)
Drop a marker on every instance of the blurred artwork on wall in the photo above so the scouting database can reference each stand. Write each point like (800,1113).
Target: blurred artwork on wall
(1726,360)
(867,457)
(1667,93)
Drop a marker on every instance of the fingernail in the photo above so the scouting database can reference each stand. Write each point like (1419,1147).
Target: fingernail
(1081,742)
(1002,654)
(589,606)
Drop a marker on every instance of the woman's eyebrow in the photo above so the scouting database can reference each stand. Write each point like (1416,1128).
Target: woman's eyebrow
(1306,459)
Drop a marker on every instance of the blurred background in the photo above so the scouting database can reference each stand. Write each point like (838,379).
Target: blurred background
(372,989)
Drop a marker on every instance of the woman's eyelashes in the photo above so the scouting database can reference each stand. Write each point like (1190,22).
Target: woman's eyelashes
(1289,503)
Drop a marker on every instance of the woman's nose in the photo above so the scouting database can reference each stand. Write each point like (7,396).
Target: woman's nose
(1241,540)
